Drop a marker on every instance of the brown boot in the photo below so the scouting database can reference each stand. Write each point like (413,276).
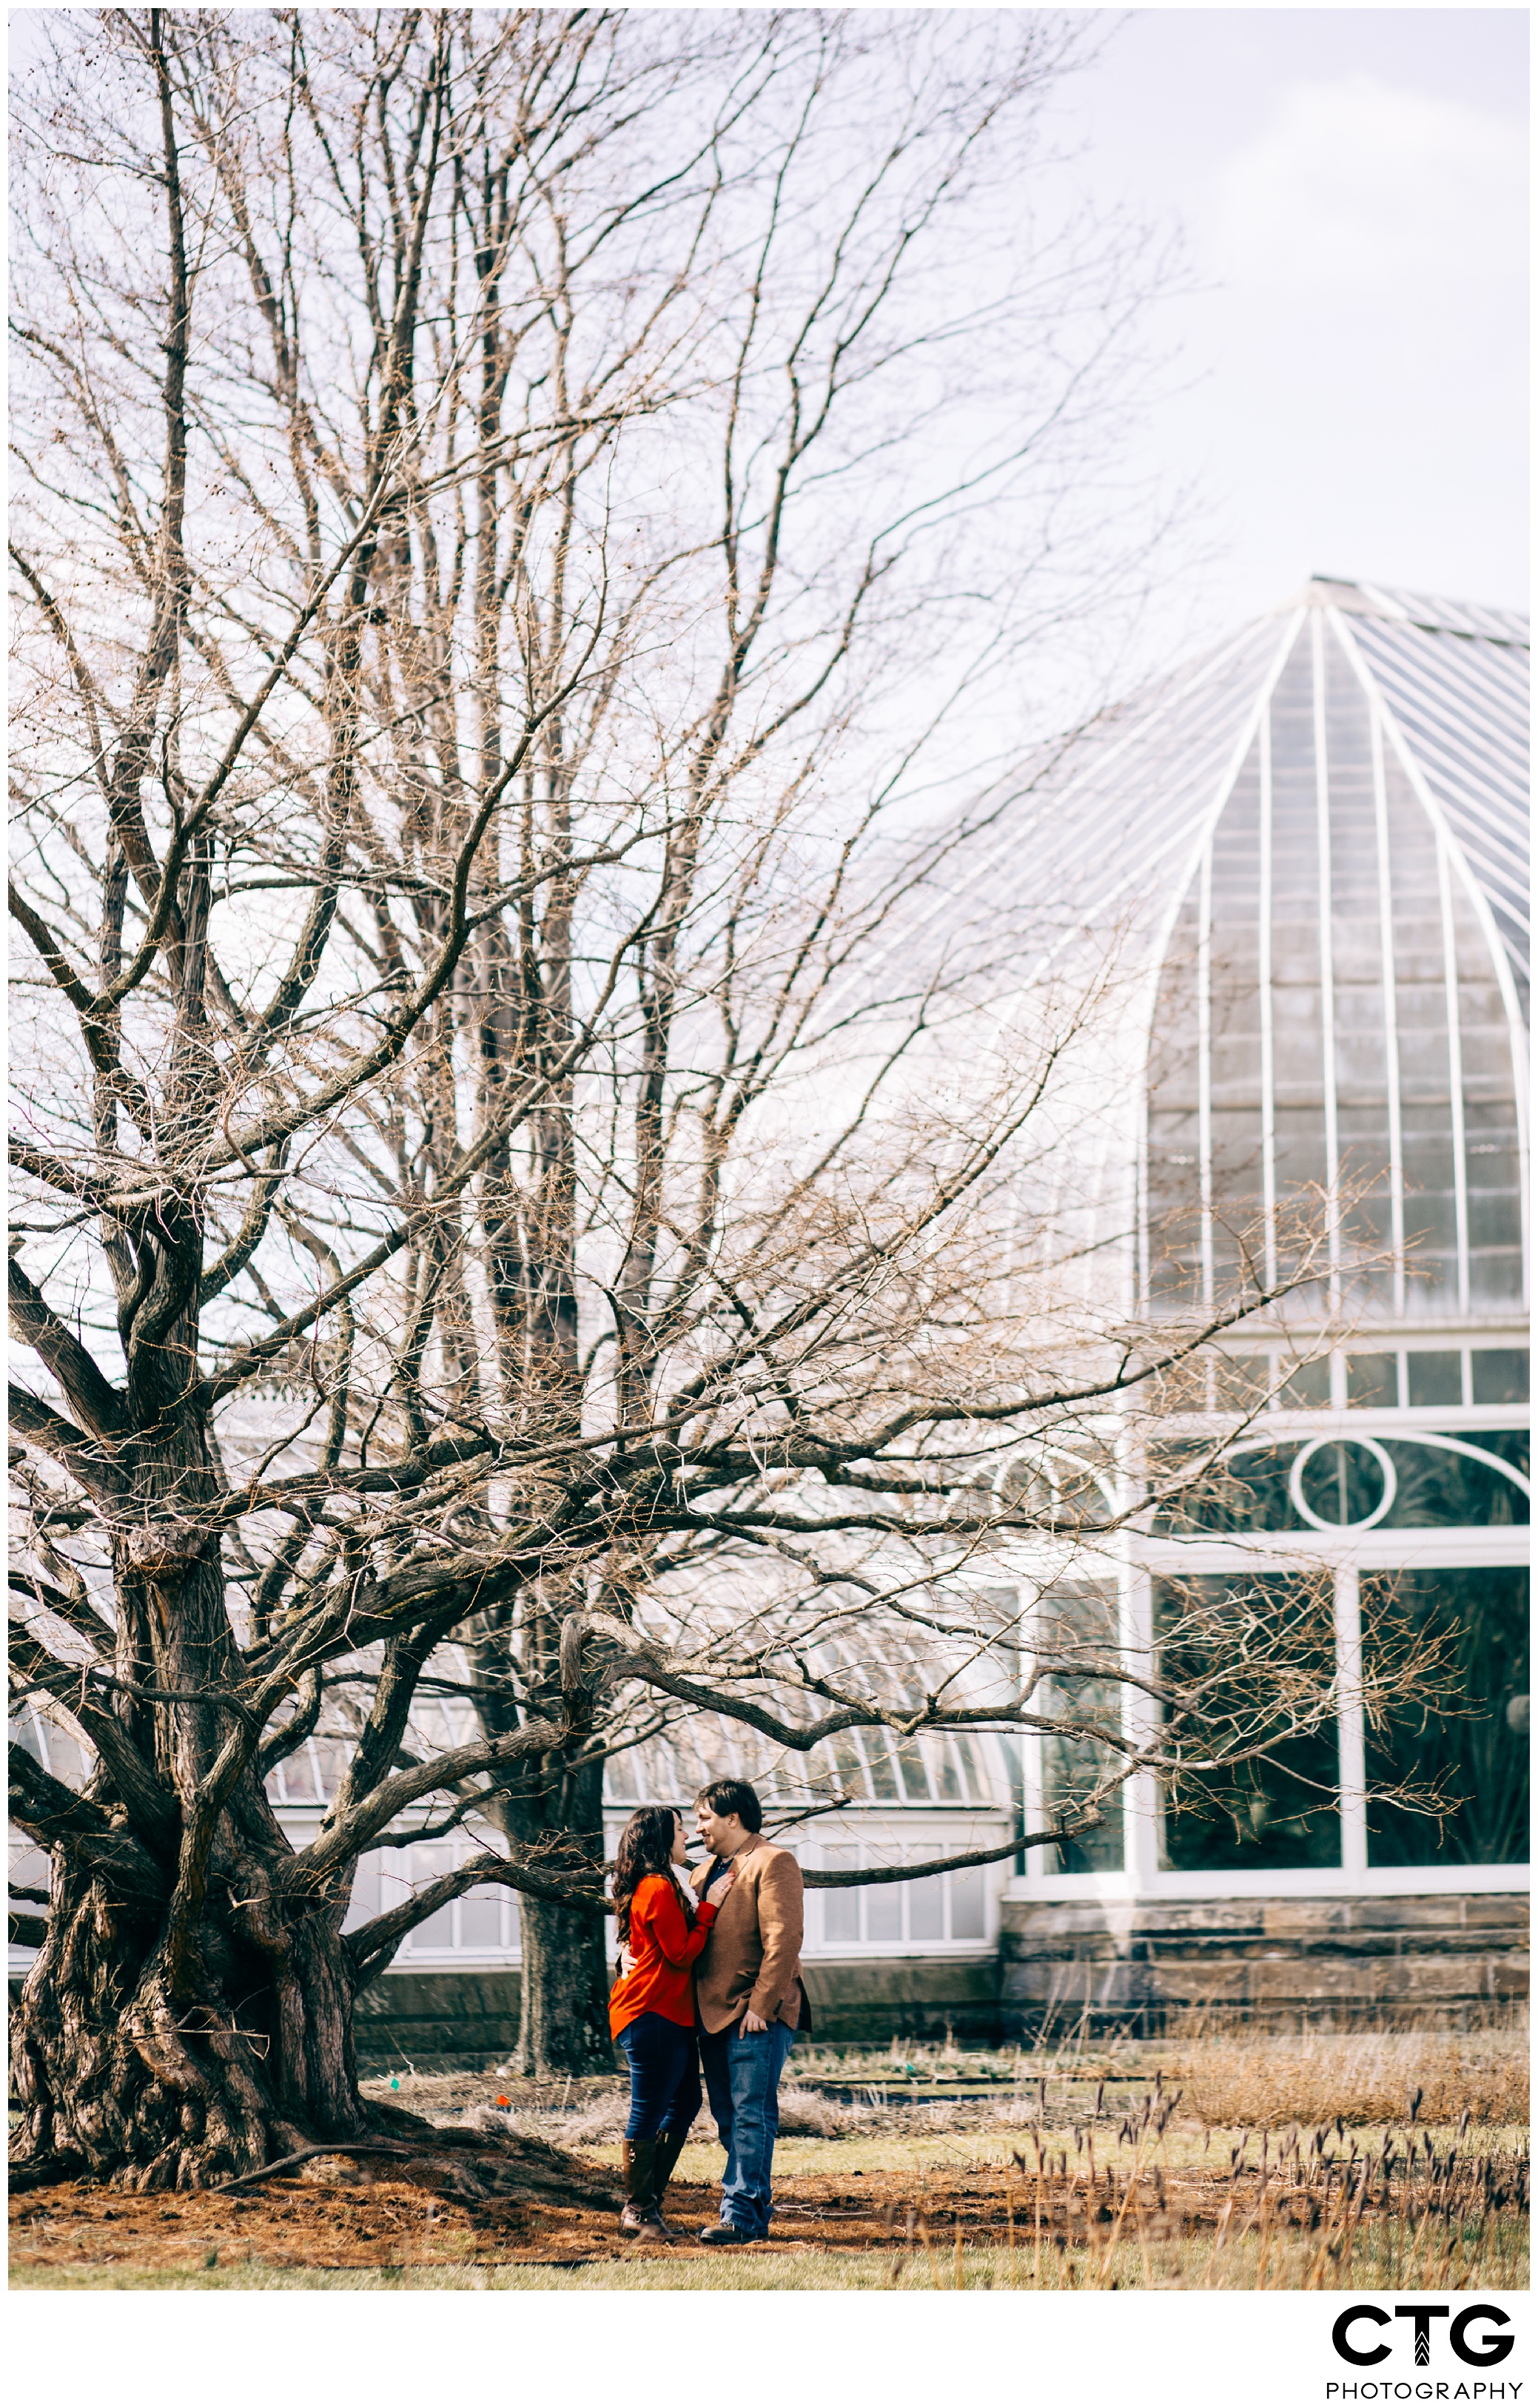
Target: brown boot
(639,2218)
(669,2150)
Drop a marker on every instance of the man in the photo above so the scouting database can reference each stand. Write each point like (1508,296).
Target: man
(749,1999)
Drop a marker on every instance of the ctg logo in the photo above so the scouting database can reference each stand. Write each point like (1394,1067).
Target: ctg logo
(1472,2342)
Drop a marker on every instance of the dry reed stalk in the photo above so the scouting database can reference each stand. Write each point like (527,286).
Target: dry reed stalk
(1317,2282)
(1220,2240)
(1121,2218)
(1265,2233)
(1142,2247)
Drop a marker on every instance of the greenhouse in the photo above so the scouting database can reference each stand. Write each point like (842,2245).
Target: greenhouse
(1315,842)
(1353,765)
(1324,823)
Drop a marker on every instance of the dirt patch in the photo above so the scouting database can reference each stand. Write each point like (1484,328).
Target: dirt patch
(383,2223)
(283,2222)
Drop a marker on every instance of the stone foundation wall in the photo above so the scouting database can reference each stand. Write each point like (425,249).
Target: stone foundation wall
(871,2000)
(1132,1965)
(438,2020)
(432,2020)
(1444,1960)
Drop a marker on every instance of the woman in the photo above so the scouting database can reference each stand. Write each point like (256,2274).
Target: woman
(652,2006)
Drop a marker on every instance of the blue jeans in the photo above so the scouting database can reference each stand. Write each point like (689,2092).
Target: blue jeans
(742,2073)
(664,2076)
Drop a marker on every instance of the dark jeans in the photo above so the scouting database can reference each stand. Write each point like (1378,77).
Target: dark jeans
(664,2076)
(742,2073)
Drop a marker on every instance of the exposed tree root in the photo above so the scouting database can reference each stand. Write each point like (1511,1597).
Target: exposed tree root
(457,2161)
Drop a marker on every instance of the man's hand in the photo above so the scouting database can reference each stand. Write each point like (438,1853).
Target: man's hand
(751,2023)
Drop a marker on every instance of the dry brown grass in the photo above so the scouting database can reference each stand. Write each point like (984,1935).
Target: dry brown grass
(1265,2081)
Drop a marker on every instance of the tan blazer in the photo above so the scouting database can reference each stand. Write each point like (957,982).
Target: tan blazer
(752,1958)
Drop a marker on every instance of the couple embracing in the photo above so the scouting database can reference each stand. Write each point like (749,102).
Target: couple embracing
(711,1977)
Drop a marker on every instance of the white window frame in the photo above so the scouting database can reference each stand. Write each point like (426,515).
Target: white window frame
(1137,1562)
(893,1840)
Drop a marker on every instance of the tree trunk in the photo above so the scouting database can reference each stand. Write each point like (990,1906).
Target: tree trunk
(123,2077)
(125,2071)
(564,2026)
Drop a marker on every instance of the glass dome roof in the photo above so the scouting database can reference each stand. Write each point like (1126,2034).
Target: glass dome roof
(868,1768)
(1316,837)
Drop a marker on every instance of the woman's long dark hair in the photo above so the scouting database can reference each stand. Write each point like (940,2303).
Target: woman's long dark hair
(646,1846)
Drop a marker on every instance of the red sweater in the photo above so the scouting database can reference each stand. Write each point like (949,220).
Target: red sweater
(659,1981)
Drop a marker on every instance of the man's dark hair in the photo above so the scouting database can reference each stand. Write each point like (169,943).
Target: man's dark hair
(733,1797)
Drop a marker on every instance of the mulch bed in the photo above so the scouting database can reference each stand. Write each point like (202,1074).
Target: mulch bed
(383,2223)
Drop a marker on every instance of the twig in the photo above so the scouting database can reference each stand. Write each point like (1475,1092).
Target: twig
(320,2149)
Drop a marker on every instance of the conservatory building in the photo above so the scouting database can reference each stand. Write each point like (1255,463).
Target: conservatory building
(1317,837)
(1318,842)
(1325,824)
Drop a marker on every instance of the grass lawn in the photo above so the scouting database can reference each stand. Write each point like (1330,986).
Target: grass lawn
(1377,2265)
(1201,2170)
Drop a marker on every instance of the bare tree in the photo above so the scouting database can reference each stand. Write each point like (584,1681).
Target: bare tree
(508,1150)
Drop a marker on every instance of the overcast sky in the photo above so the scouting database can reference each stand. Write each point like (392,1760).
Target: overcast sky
(1353,183)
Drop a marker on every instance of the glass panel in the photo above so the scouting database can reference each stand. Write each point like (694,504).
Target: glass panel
(1438,1486)
(1371,1380)
(1500,1375)
(1342,1483)
(840,1907)
(968,1904)
(1492,1169)
(977,1783)
(1435,1487)
(1240,1381)
(915,1778)
(884,1911)
(24,1729)
(878,1756)
(480,1919)
(1420,1002)
(1435,1378)
(1249,1492)
(1082,1499)
(851,1764)
(393,1878)
(1476,1754)
(1360,1031)
(1298,1031)
(1078,1621)
(364,1902)
(1307,1386)
(1235,1024)
(30,1867)
(1272,1813)
(297,1775)
(430,1859)
(950,1772)
(927,1901)
(69,1761)
(332,1756)
(1174,1173)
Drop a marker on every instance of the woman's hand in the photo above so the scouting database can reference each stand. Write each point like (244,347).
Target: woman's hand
(716,1894)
